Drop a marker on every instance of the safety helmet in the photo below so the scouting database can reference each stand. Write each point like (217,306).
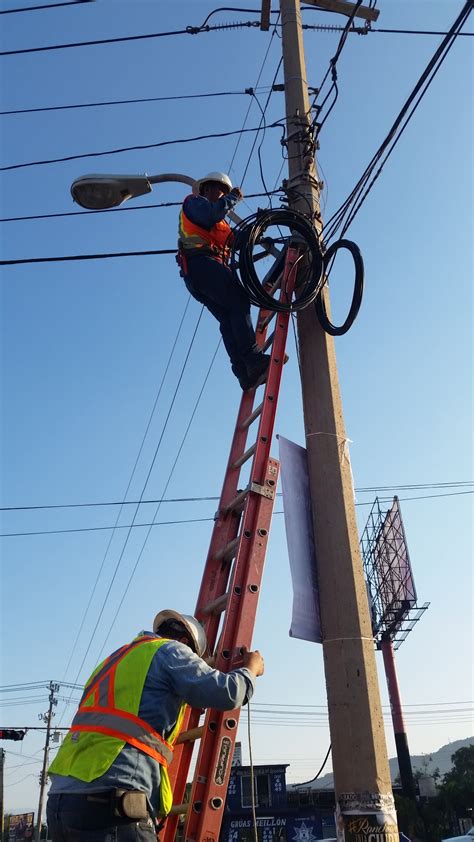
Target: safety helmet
(192,626)
(220,177)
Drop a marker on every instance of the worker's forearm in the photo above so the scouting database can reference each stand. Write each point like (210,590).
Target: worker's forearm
(205,213)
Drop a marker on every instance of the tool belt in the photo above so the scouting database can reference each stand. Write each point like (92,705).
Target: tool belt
(184,255)
(127,803)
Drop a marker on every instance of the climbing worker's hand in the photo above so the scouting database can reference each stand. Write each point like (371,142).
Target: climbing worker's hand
(237,193)
(253,661)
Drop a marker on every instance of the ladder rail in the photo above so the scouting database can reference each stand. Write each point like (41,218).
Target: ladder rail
(251,526)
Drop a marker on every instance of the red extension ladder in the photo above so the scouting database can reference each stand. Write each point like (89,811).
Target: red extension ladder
(231,585)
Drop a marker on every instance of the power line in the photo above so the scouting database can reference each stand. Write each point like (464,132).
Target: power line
(44,6)
(359,30)
(190,30)
(134,525)
(135,148)
(212,498)
(248,92)
(85,213)
(348,210)
(250,103)
(170,475)
(143,491)
(147,428)
(72,257)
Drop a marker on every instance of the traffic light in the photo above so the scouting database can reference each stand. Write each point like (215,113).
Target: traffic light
(10,734)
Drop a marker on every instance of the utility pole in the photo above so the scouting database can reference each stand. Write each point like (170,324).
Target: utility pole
(2,767)
(45,717)
(359,753)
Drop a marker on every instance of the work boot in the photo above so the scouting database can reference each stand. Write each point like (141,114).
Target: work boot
(257,369)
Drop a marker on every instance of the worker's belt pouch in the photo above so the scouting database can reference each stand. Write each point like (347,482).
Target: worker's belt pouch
(131,804)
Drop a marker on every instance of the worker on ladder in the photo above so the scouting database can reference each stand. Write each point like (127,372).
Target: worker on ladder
(204,241)
(110,776)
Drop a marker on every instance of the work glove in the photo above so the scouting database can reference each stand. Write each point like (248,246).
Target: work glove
(236,194)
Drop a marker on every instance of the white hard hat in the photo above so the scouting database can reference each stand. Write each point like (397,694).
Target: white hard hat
(220,177)
(192,626)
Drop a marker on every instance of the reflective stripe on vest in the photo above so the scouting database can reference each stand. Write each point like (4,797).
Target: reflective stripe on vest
(192,236)
(124,726)
(86,753)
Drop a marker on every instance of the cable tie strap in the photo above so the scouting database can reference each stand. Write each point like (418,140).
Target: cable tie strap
(250,91)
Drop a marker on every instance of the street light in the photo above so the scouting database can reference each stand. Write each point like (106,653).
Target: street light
(98,192)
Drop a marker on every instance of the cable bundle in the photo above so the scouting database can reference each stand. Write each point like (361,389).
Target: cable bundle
(251,233)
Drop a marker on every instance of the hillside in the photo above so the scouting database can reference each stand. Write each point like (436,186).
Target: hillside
(427,763)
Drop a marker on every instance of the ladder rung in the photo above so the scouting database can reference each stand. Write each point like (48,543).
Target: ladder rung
(266,321)
(274,286)
(251,418)
(268,342)
(191,735)
(245,456)
(236,504)
(228,552)
(179,810)
(217,605)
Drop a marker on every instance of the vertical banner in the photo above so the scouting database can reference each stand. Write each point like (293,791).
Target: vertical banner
(366,817)
(305,620)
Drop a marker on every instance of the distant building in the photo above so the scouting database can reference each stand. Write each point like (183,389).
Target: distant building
(281,817)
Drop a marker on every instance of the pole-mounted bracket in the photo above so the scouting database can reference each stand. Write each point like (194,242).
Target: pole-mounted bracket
(344,8)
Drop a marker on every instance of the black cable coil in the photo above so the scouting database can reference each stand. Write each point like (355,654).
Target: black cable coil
(326,324)
(250,232)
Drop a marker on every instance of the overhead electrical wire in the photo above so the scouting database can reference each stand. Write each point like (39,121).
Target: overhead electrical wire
(135,148)
(85,213)
(373,489)
(44,6)
(362,30)
(196,520)
(170,475)
(346,213)
(105,103)
(190,30)
(153,461)
(73,257)
(250,103)
(132,474)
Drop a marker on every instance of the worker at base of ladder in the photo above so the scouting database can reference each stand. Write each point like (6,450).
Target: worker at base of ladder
(109,778)
(203,252)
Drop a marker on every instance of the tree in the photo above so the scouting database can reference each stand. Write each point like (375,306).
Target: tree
(458,784)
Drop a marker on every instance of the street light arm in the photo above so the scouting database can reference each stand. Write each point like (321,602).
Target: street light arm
(172,176)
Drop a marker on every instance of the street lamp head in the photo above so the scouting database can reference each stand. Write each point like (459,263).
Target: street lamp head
(97,192)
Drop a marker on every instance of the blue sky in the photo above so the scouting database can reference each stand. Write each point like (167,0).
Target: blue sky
(85,346)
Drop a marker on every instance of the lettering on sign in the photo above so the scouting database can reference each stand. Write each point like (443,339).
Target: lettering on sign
(374,827)
(223,760)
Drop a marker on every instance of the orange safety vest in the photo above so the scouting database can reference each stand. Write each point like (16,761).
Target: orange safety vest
(215,241)
(97,711)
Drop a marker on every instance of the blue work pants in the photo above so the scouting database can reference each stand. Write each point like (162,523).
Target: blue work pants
(78,818)
(213,284)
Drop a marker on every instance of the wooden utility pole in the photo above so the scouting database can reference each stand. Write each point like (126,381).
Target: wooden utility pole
(46,717)
(359,754)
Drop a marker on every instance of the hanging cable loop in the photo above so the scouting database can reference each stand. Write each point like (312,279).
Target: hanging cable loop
(326,324)
(250,233)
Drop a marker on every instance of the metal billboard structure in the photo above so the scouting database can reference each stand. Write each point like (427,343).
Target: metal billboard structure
(390,583)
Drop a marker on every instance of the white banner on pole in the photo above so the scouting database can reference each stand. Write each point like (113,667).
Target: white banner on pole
(305,621)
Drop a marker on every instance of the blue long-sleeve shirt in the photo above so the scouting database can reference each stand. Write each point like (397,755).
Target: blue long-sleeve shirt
(205,213)
(175,675)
